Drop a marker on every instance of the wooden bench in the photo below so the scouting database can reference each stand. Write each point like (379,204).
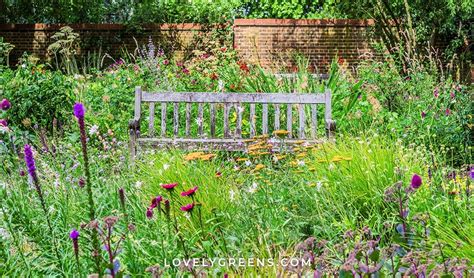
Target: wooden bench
(233,136)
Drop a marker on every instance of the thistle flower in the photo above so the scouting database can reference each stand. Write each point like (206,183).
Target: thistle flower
(190,192)
(169,186)
(5,104)
(188,207)
(415,181)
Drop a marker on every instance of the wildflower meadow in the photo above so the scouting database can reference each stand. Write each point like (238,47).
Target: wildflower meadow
(389,195)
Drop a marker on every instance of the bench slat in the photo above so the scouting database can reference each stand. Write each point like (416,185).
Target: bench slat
(212,111)
(289,119)
(314,120)
(226,120)
(200,119)
(302,120)
(163,119)
(176,119)
(277,117)
(252,120)
(240,111)
(198,97)
(151,123)
(264,118)
(188,118)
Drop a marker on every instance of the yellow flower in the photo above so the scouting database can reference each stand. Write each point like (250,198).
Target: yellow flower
(207,157)
(299,142)
(301,155)
(259,167)
(281,132)
(193,156)
(242,159)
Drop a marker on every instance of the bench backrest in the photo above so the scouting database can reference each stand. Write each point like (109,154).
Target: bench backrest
(242,104)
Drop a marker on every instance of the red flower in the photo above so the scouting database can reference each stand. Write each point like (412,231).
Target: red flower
(214,76)
(190,192)
(169,186)
(243,66)
(188,207)
(340,61)
(218,174)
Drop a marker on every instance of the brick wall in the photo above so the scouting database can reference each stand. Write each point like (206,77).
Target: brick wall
(274,41)
(266,41)
(112,39)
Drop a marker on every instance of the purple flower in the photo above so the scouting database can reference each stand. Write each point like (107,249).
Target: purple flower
(471,174)
(415,181)
(81,182)
(74,234)
(5,104)
(30,161)
(423,114)
(436,92)
(185,71)
(79,110)
(22,173)
(3,122)
(149,213)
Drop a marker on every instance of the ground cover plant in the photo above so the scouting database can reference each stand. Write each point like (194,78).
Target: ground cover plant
(392,195)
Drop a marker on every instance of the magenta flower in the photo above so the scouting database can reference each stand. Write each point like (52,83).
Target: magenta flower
(423,114)
(30,161)
(169,186)
(156,202)
(190,192)
(436,92)
(185,71)
(447,112)
(415,181)
(166,62)
(5,104)
(471,174)
(188,207)
(3,122)
(81,182)
(79,110)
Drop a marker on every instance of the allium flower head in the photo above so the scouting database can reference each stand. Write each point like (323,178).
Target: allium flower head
(190,192)
(188,207)
(30,161)
(415,181)
(5,104)
(74,234)
(79,110)
(169,186)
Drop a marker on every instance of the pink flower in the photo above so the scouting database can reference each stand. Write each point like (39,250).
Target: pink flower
(448,112)
(5,104)
(166,62)
(188,207)
(169,186)
(436,92)
(3,123)
(190,192)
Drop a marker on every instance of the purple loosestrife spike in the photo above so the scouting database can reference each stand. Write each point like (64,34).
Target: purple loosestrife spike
(79,110)
(5,104)
(416,181)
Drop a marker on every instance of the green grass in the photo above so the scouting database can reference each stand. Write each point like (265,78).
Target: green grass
(242,213)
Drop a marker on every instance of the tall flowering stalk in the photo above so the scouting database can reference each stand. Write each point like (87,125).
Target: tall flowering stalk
(79,112)
(31,166)
(74,235)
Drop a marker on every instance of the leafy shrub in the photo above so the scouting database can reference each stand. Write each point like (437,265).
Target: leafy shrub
(39,96)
